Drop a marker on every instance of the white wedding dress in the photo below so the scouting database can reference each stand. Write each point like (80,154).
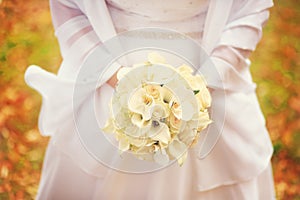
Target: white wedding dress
(238,166)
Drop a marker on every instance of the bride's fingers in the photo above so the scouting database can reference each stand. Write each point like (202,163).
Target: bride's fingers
(113,80)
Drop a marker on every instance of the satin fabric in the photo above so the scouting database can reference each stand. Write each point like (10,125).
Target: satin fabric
(237,168)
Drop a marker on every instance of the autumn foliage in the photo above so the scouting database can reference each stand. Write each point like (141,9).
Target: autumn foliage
(26,37)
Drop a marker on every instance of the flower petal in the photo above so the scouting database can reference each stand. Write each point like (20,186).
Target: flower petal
(177,148)
(121,119)
(185,69)
(122,72)
(153,90)
(203,120)
(138,142)
(140,102)
(175,122)
(182,159)
(154,57)
(161,157)
(159,111)
(204,99)
(109,126)
(139,121)
(166,95)
(161,134)
(123,143)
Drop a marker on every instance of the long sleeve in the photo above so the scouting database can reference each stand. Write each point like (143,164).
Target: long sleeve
(66,99)
(72,27)
(77,39)
(79,34)
(244,144)
(239,37)
(244,27)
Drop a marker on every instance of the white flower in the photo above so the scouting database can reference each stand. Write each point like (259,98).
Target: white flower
(139,120)
(188,135)
(138,142)
(189,107)
(121,119)
(124,144)
(166,95)
(154,57)
(153,90)
(185,69)
(186,100)
(160,132)
(132,130)
(203,120)
(122,72)
(178,149)
(157,111)
(175,123)
(140,102)
(204,99)
(176,109)
(196,82)
(160,73)
(109,126)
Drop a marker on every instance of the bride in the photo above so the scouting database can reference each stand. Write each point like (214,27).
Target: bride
(238,167)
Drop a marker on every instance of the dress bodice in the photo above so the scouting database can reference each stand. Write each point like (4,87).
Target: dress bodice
(185,16)
(169,10)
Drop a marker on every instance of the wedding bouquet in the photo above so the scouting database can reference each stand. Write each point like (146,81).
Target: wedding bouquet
(158,111)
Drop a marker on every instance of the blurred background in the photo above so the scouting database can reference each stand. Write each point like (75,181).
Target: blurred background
(26,37)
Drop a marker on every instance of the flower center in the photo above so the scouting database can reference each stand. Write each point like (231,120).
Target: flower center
(155,123)
(147,100)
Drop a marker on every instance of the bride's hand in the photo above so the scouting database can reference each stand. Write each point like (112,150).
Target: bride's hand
(113,80)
